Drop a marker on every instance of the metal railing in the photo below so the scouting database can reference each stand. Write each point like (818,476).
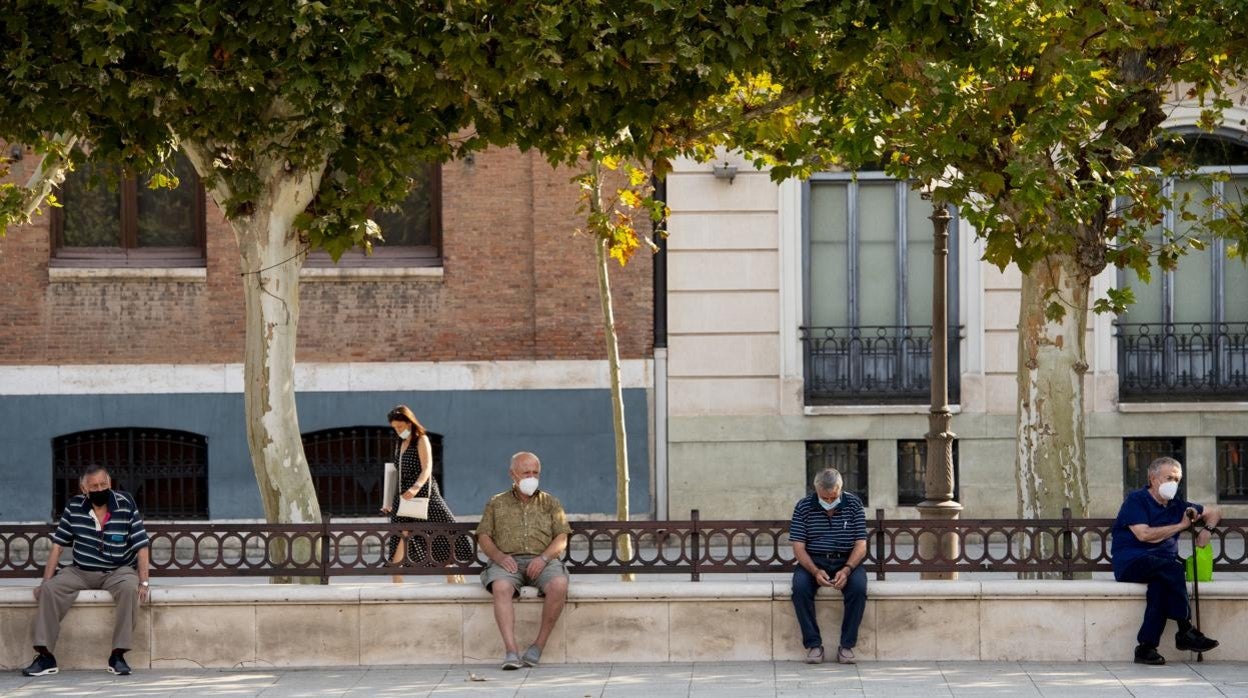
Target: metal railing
(880,363)
(1158,361)
(693,547)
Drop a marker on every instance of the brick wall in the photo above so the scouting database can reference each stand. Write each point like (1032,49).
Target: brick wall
(517,284)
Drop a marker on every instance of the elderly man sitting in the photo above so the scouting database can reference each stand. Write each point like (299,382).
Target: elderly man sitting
(524,531)
(829,536)
(1145,550)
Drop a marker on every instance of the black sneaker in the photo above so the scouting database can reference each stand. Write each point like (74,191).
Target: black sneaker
(1193,640)
(44,665)
(1145,654)
(117,665)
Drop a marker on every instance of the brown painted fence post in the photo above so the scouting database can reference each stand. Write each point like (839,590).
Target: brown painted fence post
(879,545)
(697,553)
(1068,540)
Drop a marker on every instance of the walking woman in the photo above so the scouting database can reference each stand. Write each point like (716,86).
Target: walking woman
(413,456)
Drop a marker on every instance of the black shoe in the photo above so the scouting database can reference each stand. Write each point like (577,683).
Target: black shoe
(1146,654)
(1193,640)
(117,665)
(44,665)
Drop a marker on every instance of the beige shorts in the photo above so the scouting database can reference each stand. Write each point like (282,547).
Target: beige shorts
(494,572)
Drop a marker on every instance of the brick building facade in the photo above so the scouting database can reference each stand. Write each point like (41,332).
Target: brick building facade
(507,320)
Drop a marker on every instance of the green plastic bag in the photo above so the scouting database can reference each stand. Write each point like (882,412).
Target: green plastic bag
(1203,557)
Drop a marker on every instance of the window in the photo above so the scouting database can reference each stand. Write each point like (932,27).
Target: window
(1232,469)
(1186,336)
(166,471)
(848,457)
(127,223)
(1138,453)
(868,291)
(347,466)
(912,468)
(411,235)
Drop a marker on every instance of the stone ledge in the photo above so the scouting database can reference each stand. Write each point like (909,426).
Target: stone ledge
(611,591)
(368,624)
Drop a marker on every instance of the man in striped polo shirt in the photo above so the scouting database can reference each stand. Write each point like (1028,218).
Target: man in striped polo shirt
(829,536)
(105,531)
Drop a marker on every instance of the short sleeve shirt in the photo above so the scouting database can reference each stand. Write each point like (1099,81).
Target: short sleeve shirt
(828,532)
(1140,508)
(523,528)
(103,548)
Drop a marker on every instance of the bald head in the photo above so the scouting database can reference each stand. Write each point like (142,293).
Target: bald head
(524,462)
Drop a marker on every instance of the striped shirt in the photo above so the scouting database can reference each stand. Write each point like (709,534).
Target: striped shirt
(115,545)
(833,532)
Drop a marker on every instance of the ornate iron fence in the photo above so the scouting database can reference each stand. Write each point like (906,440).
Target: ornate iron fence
(694,547)
(1158,361)
(884,363)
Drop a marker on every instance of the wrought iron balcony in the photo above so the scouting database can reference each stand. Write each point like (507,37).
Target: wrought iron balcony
(873,364)
(1158,361)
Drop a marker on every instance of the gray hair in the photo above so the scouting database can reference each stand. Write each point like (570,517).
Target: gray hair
(827,479)
(522,456)
(92,470)
(1155,467)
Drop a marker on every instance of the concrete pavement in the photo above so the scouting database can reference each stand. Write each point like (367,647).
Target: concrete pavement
(722,680)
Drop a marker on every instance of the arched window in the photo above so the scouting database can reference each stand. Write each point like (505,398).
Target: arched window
(1186,335)
(347,463)
(166,471)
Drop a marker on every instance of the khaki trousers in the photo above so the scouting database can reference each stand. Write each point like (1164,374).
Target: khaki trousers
(60,592)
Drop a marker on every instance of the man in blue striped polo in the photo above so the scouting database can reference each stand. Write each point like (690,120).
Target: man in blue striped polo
(105,531)
(829,536)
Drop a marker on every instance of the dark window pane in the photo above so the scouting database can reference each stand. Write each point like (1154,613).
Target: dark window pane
(167,216)
(848,457)
(166,471)
(1233,469)
(346,466)
(1137,454)
(92,210)
(412,224)
(912,468)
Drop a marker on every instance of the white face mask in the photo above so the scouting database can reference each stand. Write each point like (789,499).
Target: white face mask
(1168,489)
(829,506)
(527,486)
(405,433)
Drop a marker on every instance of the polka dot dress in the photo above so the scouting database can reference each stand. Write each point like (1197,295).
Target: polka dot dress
(439,512)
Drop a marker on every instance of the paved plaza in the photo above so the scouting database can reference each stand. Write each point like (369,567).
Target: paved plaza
(726,680)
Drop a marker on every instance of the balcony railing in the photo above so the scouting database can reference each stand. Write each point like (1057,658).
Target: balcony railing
(1159,361)
(873,364)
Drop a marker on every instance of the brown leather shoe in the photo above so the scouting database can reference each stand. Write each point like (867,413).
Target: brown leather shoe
(814,655)
(845,655)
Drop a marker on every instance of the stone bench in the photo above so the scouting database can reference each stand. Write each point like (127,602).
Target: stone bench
(262,625)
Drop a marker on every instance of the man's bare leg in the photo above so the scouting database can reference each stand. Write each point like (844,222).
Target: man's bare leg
(505,613)
(556,592)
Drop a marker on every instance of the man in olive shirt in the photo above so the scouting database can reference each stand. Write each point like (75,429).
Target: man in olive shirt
(524,533)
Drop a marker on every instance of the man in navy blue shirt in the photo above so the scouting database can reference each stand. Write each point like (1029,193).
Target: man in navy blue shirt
(829,536)
(1145,550)
(105,534)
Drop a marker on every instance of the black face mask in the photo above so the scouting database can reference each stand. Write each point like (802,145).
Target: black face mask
(100,498)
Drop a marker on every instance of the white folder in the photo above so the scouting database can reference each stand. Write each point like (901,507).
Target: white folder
(391,484)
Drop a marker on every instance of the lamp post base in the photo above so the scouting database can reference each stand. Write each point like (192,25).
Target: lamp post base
(944,547)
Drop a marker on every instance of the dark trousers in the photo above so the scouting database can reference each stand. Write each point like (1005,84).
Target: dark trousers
(855,594)
(1166,596)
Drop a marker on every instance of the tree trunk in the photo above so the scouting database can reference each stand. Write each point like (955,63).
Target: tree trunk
(624,547)
(272,256)
(1052,465)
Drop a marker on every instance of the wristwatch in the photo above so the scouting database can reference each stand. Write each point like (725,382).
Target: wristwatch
(144,584)
(544,558)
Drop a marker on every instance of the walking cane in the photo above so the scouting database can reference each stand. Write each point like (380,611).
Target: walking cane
(1191,514)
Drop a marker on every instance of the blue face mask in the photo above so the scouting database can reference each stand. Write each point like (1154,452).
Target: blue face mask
(829,506)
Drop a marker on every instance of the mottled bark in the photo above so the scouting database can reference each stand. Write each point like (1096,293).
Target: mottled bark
(272,255)
(1051,461)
